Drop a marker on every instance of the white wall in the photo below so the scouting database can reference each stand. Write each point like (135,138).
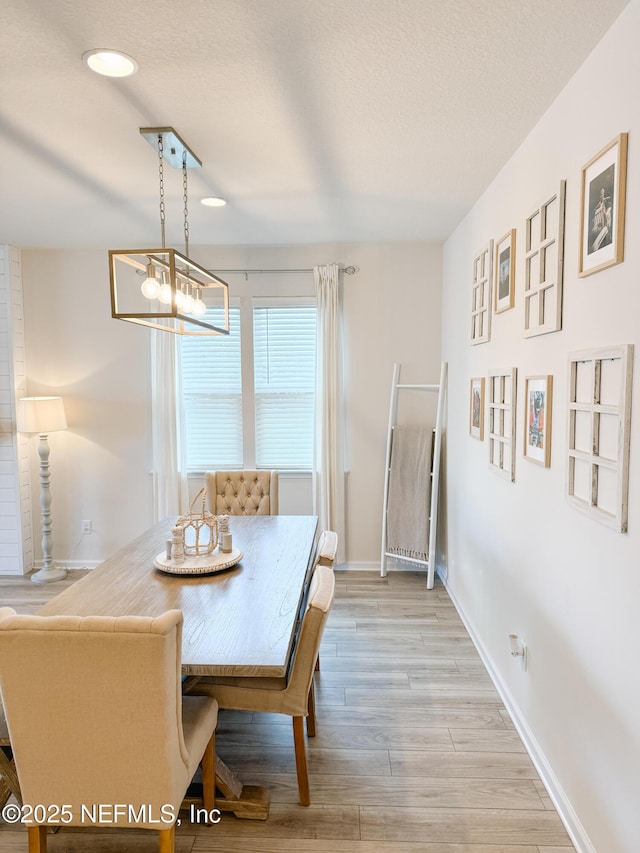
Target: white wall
(100,465)
(521,558)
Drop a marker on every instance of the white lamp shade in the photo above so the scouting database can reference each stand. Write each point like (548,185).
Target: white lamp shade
(41,414)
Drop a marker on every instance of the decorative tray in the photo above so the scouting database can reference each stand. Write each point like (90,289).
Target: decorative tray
(205,565)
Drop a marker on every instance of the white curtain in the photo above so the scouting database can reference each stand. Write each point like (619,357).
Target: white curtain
(170,488)
(328,446)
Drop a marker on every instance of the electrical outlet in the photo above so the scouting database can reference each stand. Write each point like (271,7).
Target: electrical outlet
(519,649)
(87,526)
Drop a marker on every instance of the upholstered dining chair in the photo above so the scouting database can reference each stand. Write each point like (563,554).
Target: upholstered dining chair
(95,716)
(289,695)
(325,556)
(242,492)
(327,548)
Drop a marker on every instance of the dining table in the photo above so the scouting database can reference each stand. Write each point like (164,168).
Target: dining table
(241,621)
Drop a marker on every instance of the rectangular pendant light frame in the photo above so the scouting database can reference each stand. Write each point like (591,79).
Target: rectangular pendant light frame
(150,312)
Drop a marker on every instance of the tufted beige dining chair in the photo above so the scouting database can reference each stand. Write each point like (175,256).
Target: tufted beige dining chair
(289,695)
(242,492)
(95,716)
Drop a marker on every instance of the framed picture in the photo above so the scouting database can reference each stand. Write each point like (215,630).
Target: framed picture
(476,408)
(604,180)
(537,419)
(504,272)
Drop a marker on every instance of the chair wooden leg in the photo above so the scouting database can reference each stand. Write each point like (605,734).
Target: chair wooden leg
(166,840)
(301,761)
(311,707)
(37,839)
(208,764)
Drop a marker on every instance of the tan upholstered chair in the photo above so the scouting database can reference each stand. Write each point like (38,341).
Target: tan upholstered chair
(243,492)
(327,549)
(325,556)
(95,716)
(285,695)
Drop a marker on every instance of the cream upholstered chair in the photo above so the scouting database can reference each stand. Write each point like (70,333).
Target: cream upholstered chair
(288,695)
(325,556)
(327,548)
(95,716)
(242,492)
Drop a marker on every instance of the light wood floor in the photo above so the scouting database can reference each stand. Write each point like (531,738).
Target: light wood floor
(414,753)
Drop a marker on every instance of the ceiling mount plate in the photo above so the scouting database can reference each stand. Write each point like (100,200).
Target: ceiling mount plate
(174,148)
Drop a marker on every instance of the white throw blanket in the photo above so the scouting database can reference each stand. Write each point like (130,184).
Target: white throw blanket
(409,492)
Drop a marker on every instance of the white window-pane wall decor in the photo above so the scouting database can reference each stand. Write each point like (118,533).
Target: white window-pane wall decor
(544,266)
(481,295)
(502,422)
(599,433)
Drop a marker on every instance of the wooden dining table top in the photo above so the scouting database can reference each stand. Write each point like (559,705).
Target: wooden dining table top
(238,622)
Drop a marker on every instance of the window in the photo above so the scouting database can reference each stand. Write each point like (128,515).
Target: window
(270,425)
(212,395)
(284,353)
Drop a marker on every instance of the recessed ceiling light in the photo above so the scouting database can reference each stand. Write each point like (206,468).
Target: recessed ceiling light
(110,63)
(212,201)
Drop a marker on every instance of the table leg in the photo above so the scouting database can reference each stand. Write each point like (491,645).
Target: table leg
(248,802)
(245,801)
(8,779)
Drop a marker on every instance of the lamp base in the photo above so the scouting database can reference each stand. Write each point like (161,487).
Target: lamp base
(53,573)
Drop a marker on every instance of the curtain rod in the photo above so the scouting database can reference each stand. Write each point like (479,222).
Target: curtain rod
(351,270)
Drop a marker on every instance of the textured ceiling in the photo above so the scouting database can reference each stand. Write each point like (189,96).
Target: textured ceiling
(318,120)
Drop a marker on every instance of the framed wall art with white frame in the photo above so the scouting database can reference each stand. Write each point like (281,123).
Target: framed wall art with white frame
(504,272)
(599,433)
(481,295)
(476,408)
(544,266)
(537,419)
(502,421)
(603,192)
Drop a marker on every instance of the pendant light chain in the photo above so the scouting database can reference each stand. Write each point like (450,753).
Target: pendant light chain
(185,197)
(168,295)
(161,177)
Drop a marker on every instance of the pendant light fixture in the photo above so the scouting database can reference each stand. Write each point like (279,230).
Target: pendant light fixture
(163,288)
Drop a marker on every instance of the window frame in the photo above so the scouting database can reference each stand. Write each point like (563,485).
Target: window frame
(246,304)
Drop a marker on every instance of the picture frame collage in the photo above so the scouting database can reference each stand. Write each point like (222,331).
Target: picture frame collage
(495,397)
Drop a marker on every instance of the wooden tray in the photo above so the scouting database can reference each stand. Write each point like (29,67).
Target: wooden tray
(206,565)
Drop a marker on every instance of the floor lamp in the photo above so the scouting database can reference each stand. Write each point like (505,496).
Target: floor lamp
(43,415)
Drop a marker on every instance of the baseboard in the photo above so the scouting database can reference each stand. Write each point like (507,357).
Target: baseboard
(392,566)
(563,806)
(71,565)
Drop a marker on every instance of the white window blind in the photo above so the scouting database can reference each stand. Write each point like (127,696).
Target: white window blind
(284,346)
(212,395)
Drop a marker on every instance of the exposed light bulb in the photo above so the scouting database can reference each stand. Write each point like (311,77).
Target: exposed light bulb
(189,303)
(150,286)
(199,308)
(164,295)
(180,300)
